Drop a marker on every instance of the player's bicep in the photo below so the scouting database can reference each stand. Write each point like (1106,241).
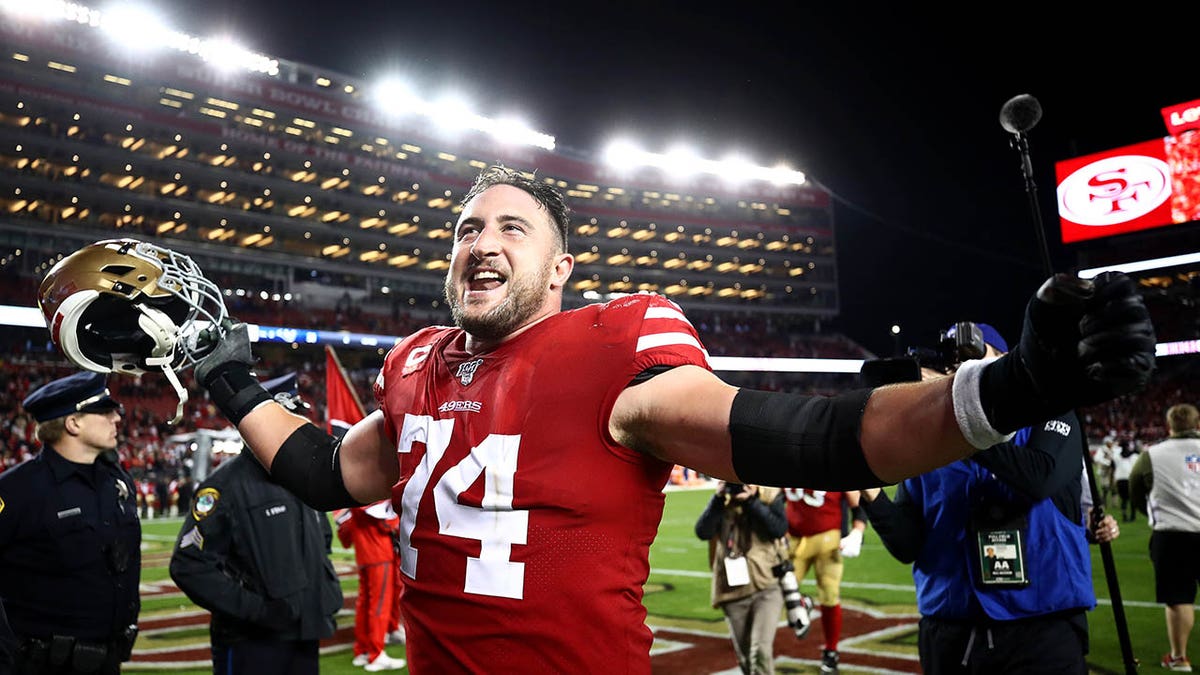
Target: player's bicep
(679,416)
(368,460)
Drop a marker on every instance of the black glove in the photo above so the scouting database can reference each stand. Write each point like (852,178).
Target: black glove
(1083,342)
(230,345)
(225,372)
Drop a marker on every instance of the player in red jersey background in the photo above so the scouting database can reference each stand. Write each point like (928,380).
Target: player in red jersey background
(815,541)
(526,448)
(371,532)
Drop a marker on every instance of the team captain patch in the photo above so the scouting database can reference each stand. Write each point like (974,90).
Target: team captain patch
(206,501)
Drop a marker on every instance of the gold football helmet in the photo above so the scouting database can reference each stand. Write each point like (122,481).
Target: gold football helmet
(128,306)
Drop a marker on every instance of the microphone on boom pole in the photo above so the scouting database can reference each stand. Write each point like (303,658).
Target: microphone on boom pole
(1018,115)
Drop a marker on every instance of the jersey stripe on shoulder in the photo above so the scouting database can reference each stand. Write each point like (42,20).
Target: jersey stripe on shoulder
(664,325)
(667,339)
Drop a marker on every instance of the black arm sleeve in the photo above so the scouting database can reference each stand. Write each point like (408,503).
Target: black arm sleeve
(307,466)
(789,440)
(857,513)
(1048,465)
(899,524)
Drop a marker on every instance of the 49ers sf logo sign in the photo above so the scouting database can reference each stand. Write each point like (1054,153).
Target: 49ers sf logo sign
(1111,193)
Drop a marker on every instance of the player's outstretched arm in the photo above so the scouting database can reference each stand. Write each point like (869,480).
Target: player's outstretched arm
(1082,343)
(689,416)
(325,473)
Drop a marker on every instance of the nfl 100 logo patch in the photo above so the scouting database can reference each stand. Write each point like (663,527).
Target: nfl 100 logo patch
(466,371)
(1192,462)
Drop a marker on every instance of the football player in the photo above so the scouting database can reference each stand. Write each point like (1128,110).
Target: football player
(525,449)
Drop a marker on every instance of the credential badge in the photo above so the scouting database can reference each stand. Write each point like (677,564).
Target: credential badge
(466,371)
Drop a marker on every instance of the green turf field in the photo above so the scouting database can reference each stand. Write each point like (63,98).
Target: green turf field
(876,579)
(678,589)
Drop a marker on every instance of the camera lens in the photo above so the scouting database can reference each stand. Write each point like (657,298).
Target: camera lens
(798,605)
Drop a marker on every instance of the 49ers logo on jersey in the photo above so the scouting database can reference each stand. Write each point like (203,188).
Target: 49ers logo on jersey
(466,371)
(460,406)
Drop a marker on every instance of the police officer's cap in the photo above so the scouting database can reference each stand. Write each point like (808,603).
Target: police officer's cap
(81,392)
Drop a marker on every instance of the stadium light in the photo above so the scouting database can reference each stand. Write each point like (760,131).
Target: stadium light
(622,154)
(37,9)
(226,55)
(452,112)
(738,169)
(136,28)
(222,52)
(783,175)
(514,131)
(396,98)
(681,162)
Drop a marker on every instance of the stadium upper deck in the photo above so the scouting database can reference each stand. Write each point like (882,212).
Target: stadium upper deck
(294,172)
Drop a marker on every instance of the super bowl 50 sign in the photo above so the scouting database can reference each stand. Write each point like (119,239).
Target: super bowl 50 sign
(1136,187)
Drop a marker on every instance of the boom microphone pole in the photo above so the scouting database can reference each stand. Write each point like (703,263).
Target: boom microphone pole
(1018,115)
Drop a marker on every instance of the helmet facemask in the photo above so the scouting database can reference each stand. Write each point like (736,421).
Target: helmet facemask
(126,306)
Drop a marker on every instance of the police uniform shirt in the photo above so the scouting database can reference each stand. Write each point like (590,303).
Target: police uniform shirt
(70,557)
(256,557)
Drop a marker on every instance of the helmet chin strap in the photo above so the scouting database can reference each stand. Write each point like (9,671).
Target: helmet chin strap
(165,333)
(165,363)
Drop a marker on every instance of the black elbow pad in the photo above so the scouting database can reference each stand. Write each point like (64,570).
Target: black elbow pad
(307,466)
(789,440)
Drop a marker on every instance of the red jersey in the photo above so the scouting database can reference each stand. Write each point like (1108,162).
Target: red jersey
(371,536)
(812,512)
(525,529)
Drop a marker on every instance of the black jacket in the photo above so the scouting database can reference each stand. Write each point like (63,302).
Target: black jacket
(70,548)
(256,557)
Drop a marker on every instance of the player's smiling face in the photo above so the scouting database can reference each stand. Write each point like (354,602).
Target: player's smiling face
(507,265)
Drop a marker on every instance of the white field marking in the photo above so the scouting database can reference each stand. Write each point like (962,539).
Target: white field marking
(842,667)
(888,587)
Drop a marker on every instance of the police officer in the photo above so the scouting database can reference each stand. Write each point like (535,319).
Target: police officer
(256,557)
(70,539)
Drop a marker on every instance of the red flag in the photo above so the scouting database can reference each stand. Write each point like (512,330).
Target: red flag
(342,407)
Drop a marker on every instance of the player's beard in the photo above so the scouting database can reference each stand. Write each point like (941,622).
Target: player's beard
(525,297)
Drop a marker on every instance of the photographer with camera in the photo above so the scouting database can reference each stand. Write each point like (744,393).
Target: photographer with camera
(998,543)
(744,526)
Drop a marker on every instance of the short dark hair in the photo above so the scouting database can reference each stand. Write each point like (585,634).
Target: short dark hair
(543,193)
